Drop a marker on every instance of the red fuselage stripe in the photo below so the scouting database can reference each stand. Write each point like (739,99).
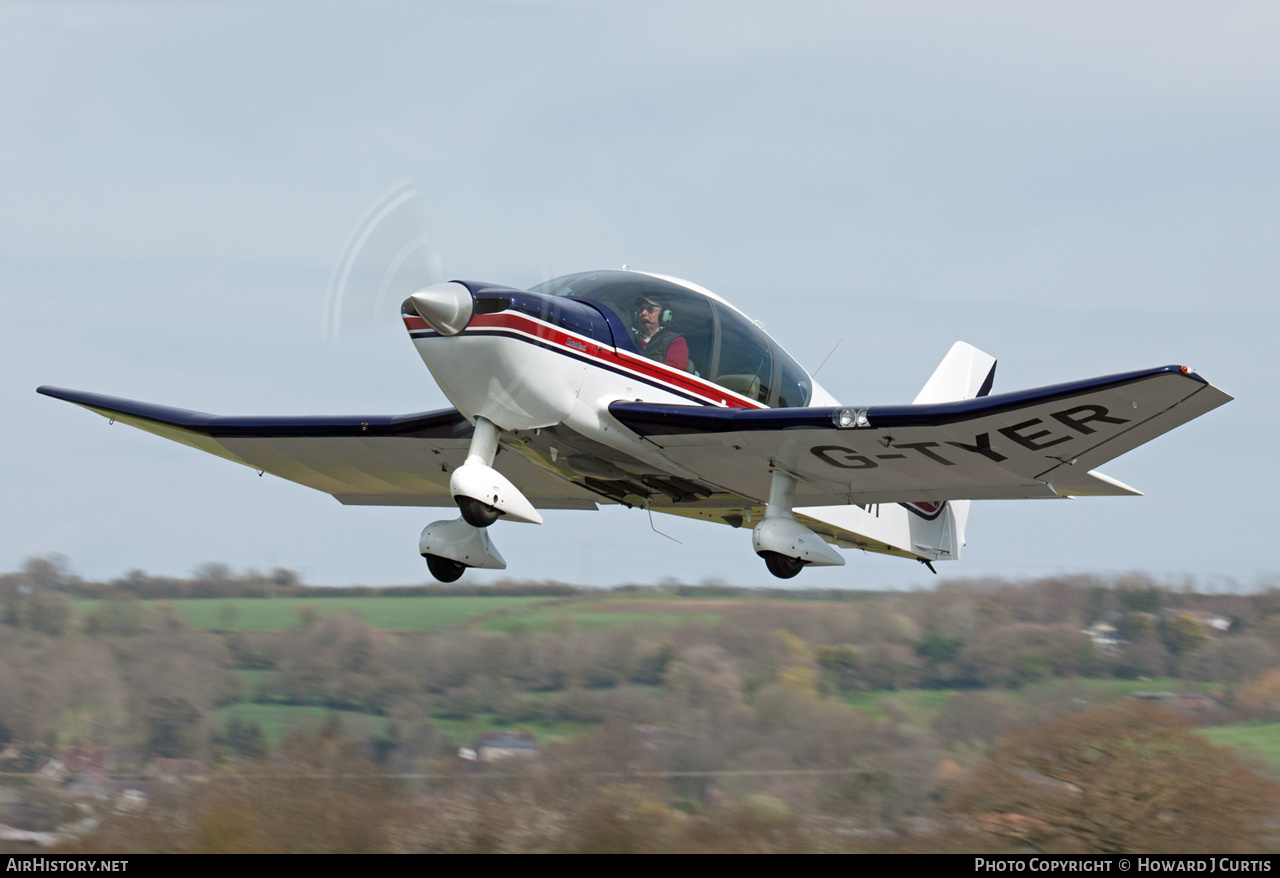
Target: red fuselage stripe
(607,356)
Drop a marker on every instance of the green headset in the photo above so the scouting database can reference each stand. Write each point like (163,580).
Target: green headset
(663,319)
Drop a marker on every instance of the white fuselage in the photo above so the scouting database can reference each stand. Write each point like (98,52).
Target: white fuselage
(525,373)
(534,378)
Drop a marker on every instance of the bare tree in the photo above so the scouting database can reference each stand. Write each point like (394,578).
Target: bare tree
(1126,777)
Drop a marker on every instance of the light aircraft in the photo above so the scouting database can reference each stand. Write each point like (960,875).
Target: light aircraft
(650,391)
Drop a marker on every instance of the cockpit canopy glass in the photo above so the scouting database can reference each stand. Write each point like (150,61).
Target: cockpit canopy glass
(694,333)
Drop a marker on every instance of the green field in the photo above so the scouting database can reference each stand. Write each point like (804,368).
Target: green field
(391,613)
(596,614)
(431,613)
(464,731)
(1097,690)
(278,719)
(592,619)
(917,705)
(249,681)
(1260,739)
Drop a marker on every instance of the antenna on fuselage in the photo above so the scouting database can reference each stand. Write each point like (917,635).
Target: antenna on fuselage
(824,361)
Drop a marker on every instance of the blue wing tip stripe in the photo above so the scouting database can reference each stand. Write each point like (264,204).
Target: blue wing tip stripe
(446,423)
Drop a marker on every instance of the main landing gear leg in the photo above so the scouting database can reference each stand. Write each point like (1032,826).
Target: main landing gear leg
(785,544)
(481,492)
(484,446)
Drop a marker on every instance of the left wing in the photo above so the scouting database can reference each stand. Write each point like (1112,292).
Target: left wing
(374,460)
(1036,443)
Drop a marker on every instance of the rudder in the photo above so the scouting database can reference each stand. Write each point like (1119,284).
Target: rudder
(937,529)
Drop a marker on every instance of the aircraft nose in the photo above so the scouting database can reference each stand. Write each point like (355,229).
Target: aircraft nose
(447,307)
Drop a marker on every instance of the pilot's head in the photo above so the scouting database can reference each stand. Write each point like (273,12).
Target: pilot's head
(651,315)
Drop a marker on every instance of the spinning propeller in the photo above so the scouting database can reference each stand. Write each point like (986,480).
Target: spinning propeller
(386,256)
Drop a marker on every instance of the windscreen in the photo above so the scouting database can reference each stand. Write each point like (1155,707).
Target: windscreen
(686,330)
(665,322)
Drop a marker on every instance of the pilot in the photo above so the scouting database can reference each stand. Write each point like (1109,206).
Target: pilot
(652,338)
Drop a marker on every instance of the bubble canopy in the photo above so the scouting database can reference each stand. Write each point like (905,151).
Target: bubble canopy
(723,345)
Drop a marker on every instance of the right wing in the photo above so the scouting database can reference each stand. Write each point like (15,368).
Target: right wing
(1034,443)
(376,460)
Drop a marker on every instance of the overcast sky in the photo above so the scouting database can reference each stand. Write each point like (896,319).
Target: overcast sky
(1078,189)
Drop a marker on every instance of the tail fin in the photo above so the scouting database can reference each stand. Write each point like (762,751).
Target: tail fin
(937,529)
(964,373)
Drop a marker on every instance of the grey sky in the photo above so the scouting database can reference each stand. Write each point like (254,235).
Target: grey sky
(1077,189)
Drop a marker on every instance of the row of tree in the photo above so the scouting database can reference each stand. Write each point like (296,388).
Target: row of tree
(1121,778)
(130,675)
(735,735)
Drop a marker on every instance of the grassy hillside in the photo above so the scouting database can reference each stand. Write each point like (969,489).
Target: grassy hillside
(409,613)
(1259,739)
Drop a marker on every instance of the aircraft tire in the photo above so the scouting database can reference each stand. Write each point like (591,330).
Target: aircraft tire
(782,566)
(444,569)
(476,512)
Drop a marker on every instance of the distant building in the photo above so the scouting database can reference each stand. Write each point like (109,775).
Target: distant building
(496,746)
(54,771)
(82,759)
(1106,637)
(181,769)
(1212,621)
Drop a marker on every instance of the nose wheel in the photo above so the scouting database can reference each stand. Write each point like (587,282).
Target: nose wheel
(450,547)
(781,566)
